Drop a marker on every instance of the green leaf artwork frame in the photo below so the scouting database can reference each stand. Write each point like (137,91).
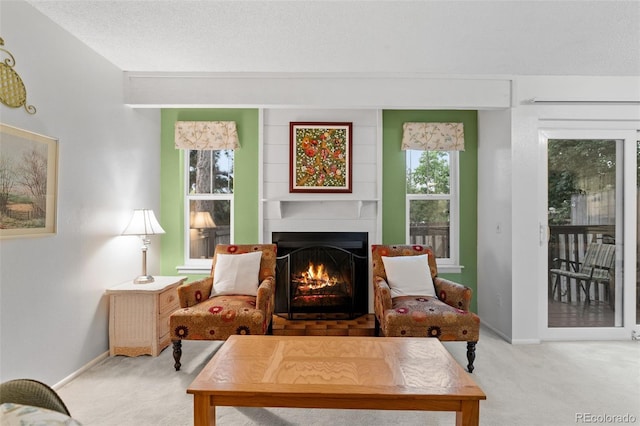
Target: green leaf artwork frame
(320,157)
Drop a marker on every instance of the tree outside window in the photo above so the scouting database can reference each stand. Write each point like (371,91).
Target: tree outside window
(569,180)
(429,199)
(210,199)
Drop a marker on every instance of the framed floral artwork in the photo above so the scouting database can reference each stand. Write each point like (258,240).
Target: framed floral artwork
(28,183)
(320,157)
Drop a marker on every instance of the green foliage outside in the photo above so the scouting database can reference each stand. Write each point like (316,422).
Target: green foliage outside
(577,167)
(429,176)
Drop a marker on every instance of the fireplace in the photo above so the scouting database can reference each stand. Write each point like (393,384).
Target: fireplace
(321,274)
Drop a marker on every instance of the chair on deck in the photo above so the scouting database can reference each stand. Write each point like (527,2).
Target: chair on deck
(410,300)
(596,267)
(238,297)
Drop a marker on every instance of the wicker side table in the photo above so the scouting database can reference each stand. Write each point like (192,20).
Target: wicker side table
(139,316)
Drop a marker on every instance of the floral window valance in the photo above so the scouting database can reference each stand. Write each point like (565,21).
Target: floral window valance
(206,135)
(433,136)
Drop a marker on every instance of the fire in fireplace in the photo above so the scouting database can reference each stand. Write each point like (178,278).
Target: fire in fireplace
(321,273)
(318,287)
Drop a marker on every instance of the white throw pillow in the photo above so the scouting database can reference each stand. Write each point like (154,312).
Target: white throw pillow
(237,274)
(409,275)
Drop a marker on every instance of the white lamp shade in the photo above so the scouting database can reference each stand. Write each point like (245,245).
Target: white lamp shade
(143,222)
(202,220)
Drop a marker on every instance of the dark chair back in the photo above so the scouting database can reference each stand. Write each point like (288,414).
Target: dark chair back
(32,392)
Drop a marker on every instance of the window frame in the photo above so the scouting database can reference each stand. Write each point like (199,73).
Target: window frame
(195,265)
(449,264)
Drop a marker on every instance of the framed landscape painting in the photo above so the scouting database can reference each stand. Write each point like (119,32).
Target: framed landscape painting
(320,157)
(28,183)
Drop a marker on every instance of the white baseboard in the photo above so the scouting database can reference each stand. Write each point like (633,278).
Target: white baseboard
(494,330)
(508,338)
(81,370)
(526,341)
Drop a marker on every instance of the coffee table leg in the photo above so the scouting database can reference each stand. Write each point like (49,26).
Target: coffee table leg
(204,414)
(470,414)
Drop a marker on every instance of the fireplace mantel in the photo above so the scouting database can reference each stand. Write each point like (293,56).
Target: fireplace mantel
(283,202)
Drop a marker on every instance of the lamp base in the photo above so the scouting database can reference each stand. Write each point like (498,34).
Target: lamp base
(143,279)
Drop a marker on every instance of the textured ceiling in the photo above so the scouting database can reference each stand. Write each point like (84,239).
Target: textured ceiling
(436,37)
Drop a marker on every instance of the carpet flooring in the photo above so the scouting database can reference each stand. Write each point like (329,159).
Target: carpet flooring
(552,383)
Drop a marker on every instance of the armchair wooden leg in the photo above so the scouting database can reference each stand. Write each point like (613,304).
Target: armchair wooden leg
(471,355)
(177,353)
(376,327)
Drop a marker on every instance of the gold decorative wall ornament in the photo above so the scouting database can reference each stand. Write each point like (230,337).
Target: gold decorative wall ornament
(12,91)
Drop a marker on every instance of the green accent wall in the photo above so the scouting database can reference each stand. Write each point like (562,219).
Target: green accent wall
(245,214)
(393,185)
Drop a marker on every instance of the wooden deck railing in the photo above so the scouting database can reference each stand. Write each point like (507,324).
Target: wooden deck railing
(434,235)
(204,246)
(570,241)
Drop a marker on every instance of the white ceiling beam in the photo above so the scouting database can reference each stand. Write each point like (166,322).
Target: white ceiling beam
(315,90)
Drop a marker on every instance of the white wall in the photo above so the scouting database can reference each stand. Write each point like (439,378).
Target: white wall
(53,309)
(575,103)
(321,212)
(494,220)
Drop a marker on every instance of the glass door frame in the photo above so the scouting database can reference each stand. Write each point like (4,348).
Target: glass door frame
(626,250)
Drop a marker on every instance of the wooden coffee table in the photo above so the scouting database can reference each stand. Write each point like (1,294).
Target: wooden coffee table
(377,373)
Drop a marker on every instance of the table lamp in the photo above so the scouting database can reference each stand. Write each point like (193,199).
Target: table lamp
(202,221)
(143,223)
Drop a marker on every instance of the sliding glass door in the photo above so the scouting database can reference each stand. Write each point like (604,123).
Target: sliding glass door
(587,204)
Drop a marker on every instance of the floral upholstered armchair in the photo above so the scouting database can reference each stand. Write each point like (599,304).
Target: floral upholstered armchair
(238,297)
(411,300)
